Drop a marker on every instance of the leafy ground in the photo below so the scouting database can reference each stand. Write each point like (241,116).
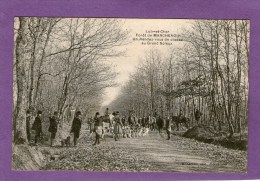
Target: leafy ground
(149,153)
(99,158)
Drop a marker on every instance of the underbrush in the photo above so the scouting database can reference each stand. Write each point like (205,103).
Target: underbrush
(207,134)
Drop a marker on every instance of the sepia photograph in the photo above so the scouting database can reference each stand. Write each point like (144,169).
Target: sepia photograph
(130,95)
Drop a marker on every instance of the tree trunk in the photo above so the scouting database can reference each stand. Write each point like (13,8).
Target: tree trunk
(20,117)
(32,63)
(39,74)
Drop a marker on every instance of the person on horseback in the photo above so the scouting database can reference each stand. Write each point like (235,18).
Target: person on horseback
(98,128)
(131,119)
(106,116)
(181,119)
(107,112)
(118,126)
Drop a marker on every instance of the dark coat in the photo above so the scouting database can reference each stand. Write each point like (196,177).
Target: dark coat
(147,120)
(143,122)
(198,114)
(53,125)
(98,121)
(131,120)
(123,121)
(76,125)
(37,125)
(160,123)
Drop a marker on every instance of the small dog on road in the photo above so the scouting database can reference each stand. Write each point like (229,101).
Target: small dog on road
(66,142)
(145,131)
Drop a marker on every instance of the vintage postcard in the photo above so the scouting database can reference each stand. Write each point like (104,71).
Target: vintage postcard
(129,90)
(131,95)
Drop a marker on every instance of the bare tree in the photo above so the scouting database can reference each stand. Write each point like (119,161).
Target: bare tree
(19,126)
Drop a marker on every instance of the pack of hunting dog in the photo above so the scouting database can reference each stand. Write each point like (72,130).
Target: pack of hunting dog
(116,125)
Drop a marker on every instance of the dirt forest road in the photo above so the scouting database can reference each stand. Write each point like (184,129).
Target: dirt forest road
(155,153)
(179,154)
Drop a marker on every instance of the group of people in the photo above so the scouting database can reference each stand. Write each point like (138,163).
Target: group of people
(122,127)
(119,126)
(53,126)
(98,125)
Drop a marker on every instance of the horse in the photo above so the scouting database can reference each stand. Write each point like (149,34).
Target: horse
(160,124)
(108,124)
(108,119)
(179,120)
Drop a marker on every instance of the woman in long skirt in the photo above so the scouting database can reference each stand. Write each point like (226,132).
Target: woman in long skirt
(118,126)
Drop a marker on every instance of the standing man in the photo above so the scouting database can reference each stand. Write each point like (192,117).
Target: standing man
(160,123)
(197,114)
(76,126)
(143,122)
(98,128)
(37,126)
(53,126)
(28,127)
(168,128)
(147,122)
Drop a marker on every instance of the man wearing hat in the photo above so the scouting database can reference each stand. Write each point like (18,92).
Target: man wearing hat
(198,115)
(76,126)
(37,126)
(53,126)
